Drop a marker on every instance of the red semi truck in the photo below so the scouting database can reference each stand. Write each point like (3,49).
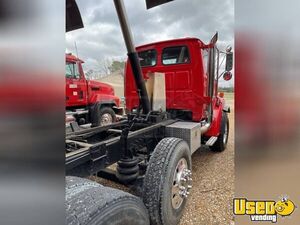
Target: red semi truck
(88,101)
(151,148)
(184,62)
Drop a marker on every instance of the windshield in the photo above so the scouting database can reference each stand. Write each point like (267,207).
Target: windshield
(72,70)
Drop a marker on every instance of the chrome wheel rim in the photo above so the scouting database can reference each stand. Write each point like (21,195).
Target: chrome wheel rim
(182,179)
(106,119)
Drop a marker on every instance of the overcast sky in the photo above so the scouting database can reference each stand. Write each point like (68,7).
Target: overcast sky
(102,38)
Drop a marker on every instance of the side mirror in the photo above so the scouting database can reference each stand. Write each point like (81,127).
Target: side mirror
(227,75)
(229,59)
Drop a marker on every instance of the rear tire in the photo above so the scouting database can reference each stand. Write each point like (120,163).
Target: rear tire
(89,203)
(221,143)
(159,181)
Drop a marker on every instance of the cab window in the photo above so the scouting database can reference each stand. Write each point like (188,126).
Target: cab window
(147,58)
(175,55)
(72,70)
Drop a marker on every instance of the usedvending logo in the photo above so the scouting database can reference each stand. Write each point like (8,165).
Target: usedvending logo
(263,210)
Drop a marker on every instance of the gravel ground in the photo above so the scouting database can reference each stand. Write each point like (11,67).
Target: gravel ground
(210,202)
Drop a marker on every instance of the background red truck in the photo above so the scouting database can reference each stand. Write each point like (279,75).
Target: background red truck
(88,101)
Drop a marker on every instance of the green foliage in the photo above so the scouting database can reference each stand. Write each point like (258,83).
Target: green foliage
(116,66)
(226,89)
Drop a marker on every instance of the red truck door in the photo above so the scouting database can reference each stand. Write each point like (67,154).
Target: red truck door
(177,67)
(76,85)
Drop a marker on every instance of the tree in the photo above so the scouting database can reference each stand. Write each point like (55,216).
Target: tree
(104,66)
(117,66)
(108,66)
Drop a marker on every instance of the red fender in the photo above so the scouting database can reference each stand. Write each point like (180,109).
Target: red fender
(218,104)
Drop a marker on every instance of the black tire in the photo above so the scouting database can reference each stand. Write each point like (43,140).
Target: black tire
(74,182)
(89,203)
(158,181)
(98,116)
(221,143)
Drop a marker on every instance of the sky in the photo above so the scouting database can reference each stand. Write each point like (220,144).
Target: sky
(101,38)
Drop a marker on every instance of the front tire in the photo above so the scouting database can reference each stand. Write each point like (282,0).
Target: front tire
(104,116)
(221,143)
(164,191)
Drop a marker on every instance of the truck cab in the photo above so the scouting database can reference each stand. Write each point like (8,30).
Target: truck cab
(185,65)
(88,101)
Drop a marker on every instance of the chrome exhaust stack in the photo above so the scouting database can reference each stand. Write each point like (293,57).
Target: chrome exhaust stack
(211,80)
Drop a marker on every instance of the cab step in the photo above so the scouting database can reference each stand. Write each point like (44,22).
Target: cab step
(211,141)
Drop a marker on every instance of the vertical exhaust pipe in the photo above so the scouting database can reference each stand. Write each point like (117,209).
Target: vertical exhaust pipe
(211,81)
(133,56)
